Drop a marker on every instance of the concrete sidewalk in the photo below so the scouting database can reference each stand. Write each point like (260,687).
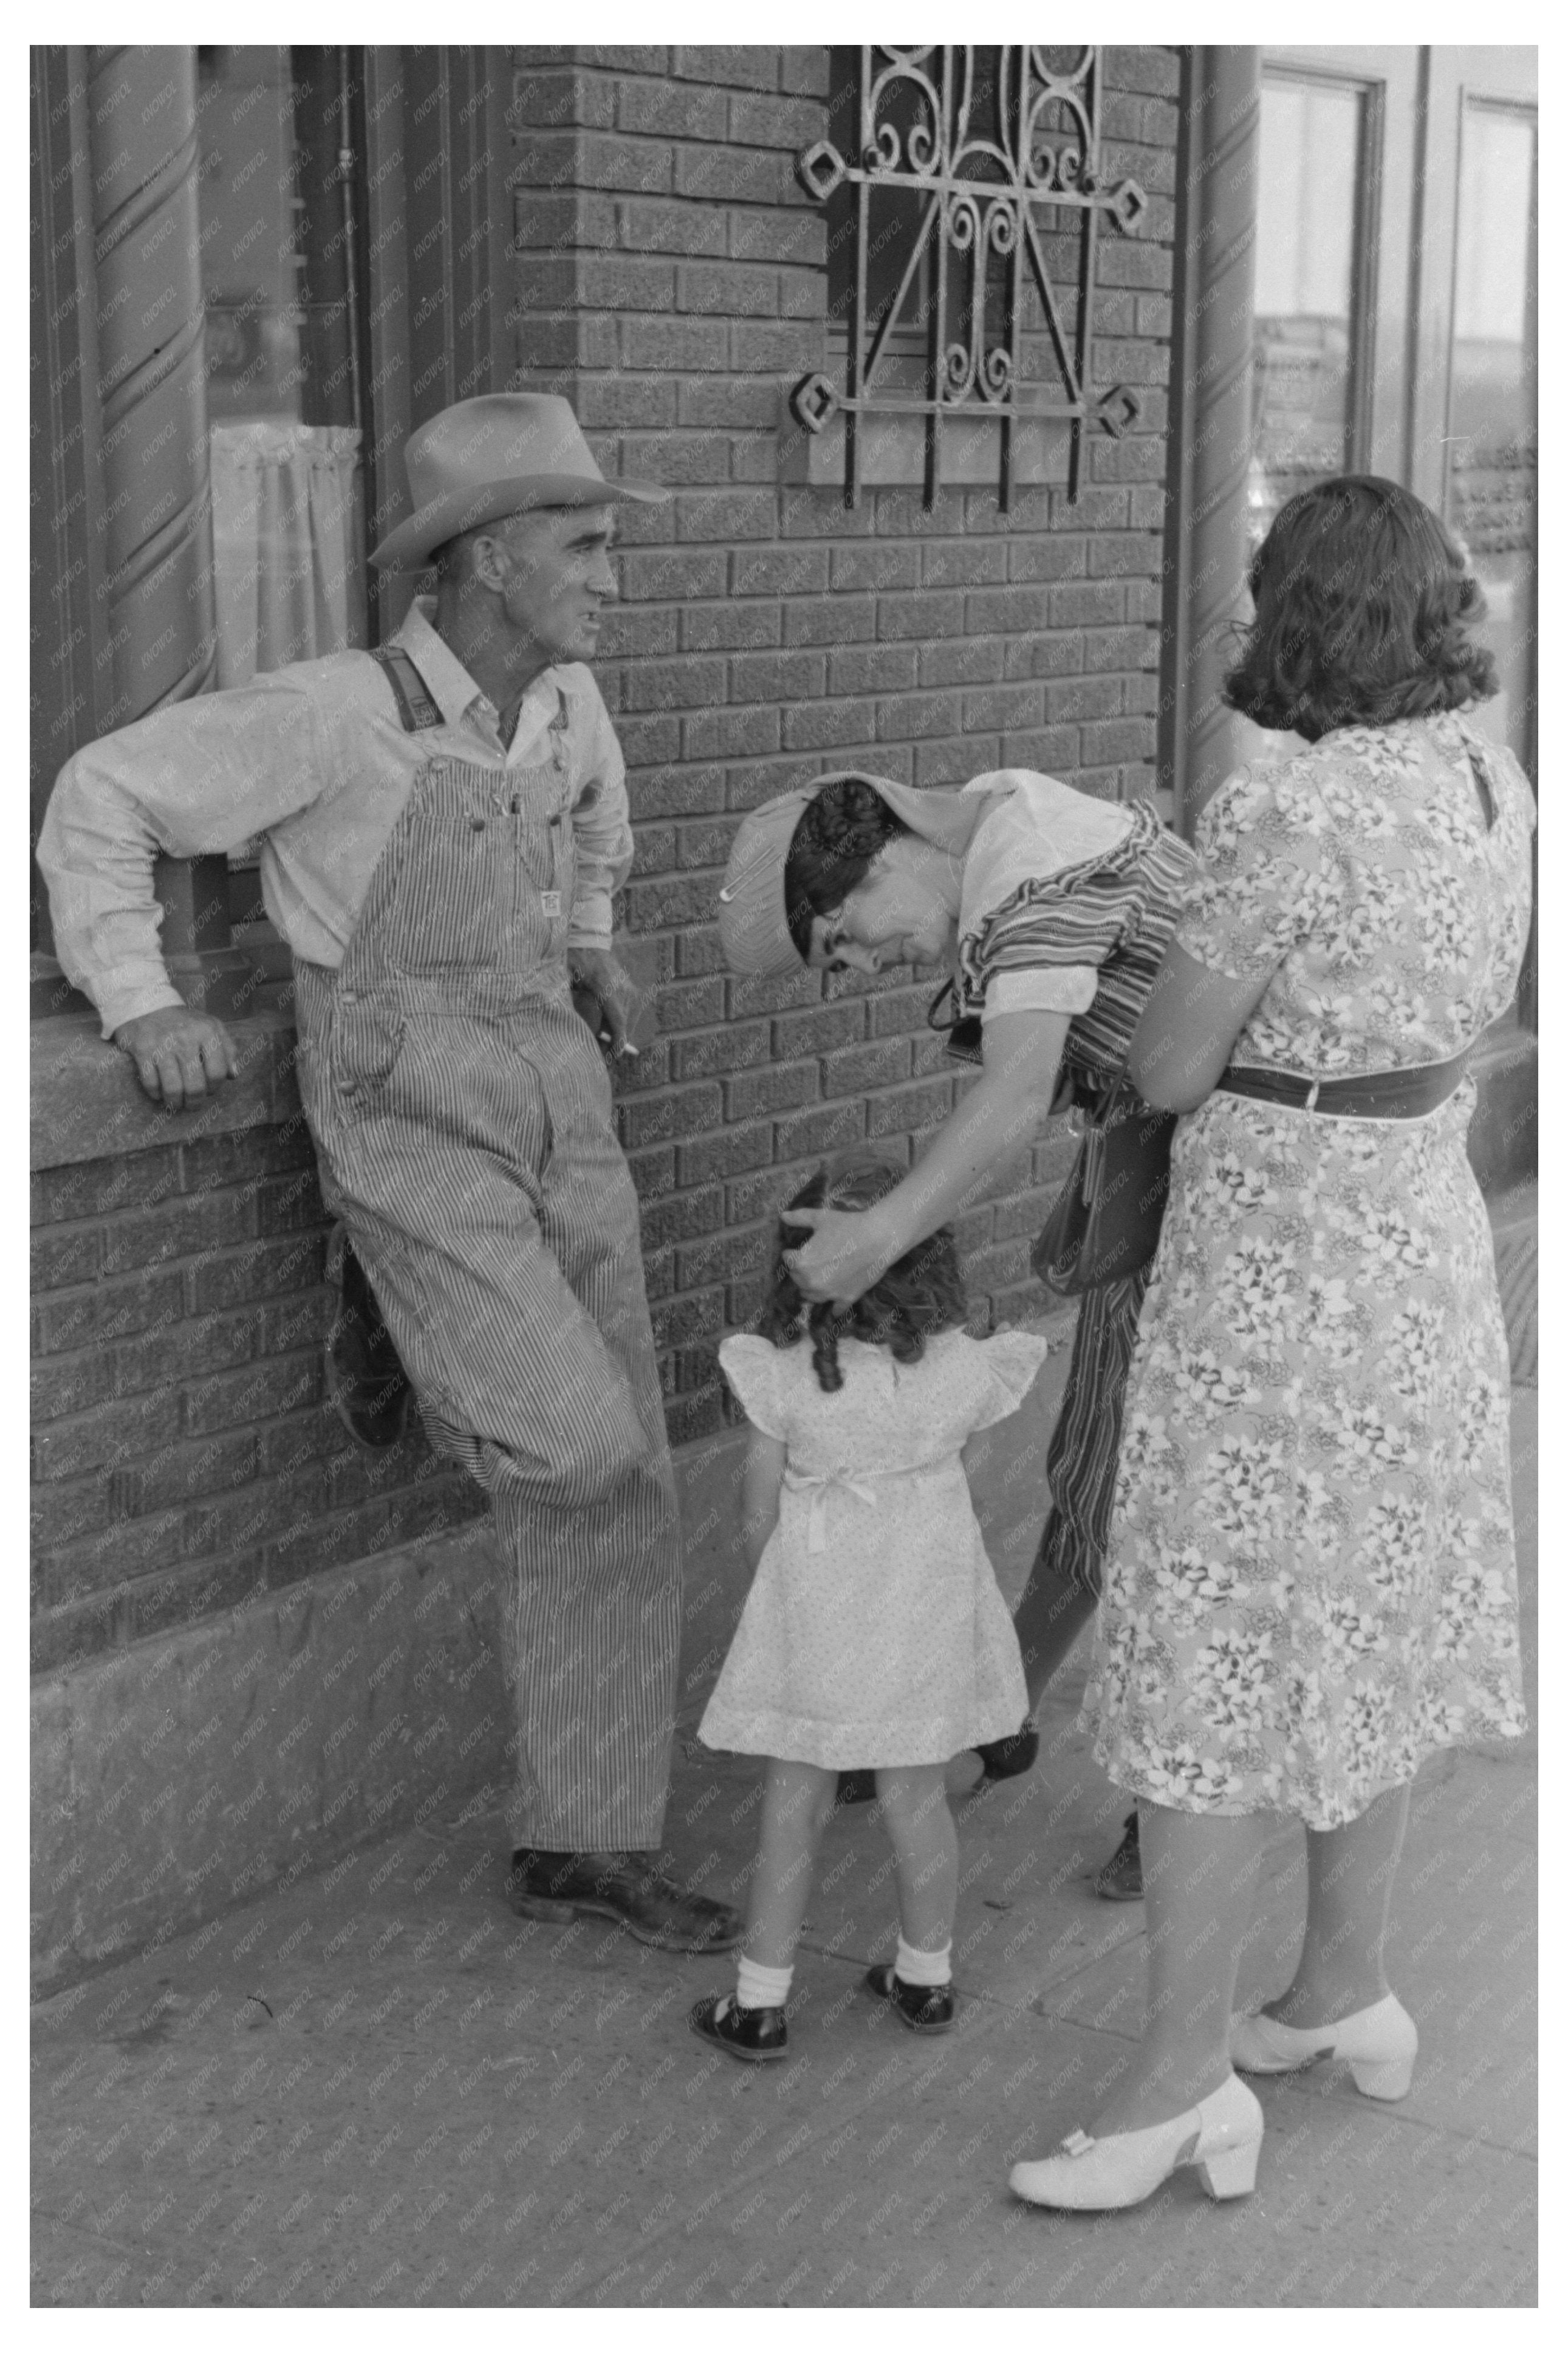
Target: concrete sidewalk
(376,2087)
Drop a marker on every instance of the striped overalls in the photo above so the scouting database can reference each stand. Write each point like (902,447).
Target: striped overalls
(462,1117)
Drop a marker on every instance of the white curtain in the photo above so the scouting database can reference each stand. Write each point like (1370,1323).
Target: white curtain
(285,542)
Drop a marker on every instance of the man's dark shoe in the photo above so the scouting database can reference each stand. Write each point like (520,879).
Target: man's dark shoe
(627,1887)
(366,1379)
(929,2009)
(1015,1753)
(1120,1881)
(754,2034)
(856,1786)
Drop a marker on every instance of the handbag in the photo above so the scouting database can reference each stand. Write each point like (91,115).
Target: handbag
(1106,1222)
(962,1031)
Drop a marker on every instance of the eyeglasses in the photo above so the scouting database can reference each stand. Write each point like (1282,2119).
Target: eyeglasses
(834,932)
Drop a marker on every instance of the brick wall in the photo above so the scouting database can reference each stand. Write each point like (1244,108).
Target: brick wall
(184,1456)
(671,278)
(672,281)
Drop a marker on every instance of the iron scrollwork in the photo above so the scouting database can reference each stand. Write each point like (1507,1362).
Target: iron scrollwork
(983,152)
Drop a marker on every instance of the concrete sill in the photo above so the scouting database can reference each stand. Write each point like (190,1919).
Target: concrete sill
(87,1104)
(892,449)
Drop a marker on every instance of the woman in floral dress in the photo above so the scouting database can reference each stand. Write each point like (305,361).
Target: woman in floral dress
(1309,1585)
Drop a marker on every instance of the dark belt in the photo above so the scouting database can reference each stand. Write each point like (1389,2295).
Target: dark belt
(1378,1095)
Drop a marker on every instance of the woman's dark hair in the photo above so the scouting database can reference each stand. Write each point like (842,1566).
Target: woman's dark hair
(921,1295)
(840,830)
(1362,599)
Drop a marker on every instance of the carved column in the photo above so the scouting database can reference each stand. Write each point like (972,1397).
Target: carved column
(1208,547)
(161,641)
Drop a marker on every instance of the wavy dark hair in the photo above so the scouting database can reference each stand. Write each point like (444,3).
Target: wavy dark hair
(1363,598)
(839,832)
(920,1295)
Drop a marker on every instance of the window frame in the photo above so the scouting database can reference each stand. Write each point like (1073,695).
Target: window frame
(1365,241)
(851,435)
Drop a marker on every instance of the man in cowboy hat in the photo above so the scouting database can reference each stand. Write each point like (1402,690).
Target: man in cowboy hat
(443,824)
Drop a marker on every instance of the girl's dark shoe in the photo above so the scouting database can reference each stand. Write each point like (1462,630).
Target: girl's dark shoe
(750,2034)
(1015,1753)
(929,2009)
(1120,1881)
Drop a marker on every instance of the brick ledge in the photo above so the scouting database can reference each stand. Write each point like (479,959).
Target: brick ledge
(87,1104)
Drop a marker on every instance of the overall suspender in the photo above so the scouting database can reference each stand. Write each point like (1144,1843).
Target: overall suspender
(415,706)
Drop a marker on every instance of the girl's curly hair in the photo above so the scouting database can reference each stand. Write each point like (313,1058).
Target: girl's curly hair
(1363,598)
(839,832)
(920,1295)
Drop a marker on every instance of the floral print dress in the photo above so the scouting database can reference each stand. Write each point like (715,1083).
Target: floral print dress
(1310,1579)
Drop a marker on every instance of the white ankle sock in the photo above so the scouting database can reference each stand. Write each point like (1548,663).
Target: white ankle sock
(758,1988)
(918,1969)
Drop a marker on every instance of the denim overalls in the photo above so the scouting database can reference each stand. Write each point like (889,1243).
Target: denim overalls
(462,1114)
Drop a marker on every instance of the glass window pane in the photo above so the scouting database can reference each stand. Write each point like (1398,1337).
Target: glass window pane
(283,428)
(248,262)
(896,221)
(1303,330)
(282,391)
(1491,447)
(899,219)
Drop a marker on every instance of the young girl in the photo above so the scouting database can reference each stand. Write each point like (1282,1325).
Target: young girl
(874,1633)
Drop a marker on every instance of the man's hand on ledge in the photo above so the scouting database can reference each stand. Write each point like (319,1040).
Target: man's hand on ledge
(597,975)
(177,1052)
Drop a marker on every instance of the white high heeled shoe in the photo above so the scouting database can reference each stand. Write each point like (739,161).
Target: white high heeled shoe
(1380,2043)
(1221,2137)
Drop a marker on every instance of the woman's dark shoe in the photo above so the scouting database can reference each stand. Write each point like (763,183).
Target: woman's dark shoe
(1015,1752)
(751,2034)
(1120,1881)
(929,2009)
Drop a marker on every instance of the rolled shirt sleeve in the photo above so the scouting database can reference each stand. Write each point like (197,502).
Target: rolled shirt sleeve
(204,775)
(212,774)
(1038,919)
(1069,989)
(601,824)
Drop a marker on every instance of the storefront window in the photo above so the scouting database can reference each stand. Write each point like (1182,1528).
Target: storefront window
(1490,474)
(1304,323)
(277,229)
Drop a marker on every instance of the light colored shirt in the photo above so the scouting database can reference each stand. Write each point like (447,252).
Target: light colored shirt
(1038,827)
(315,761)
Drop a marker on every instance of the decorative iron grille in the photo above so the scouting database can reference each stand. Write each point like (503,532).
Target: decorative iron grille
(984,143)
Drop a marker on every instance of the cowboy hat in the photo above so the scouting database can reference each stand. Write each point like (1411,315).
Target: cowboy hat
(754,930)
(501,454)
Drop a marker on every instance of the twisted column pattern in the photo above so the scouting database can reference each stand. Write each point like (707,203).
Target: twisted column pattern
(1222,232)
(141,112)
(152,381)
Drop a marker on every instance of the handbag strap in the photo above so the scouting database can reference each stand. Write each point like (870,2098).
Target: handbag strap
(1114,1096)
